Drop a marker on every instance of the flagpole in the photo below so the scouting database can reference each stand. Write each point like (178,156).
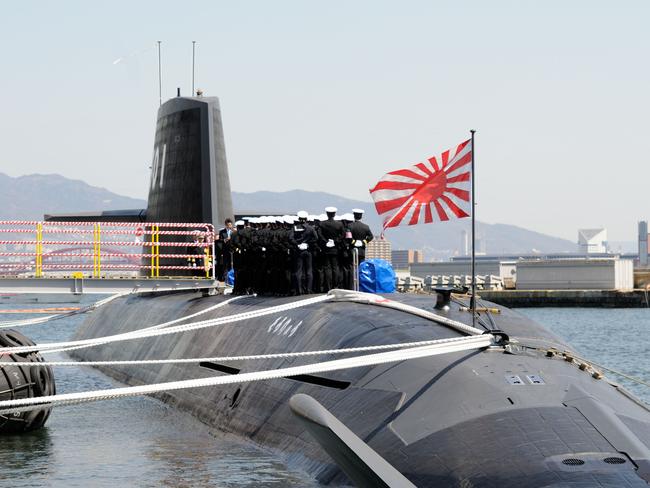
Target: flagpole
(473,299)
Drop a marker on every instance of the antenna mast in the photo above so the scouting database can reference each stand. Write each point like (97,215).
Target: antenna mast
(159,77)
(193,57)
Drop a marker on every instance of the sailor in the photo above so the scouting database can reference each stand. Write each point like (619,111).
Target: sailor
(345,253)
(273,255)
(225,235)
(218,255)
(302,239)
(361,234)
(331,236)
(283,283)
(240,246)
(317,257)
(257,257)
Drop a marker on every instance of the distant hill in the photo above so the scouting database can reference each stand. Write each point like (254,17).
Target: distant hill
(30,197)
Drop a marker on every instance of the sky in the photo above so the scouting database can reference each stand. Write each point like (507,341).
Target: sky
(329,96)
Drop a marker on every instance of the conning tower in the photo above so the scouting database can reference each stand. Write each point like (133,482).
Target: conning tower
(189,172)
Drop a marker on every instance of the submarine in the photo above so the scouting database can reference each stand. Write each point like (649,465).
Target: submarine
(520,410)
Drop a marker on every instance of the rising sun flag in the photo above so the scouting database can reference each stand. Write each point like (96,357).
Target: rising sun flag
(432,191)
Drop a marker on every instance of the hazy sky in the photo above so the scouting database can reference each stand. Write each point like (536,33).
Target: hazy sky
(331,95)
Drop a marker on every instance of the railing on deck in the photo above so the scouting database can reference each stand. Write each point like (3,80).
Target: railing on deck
(106,249)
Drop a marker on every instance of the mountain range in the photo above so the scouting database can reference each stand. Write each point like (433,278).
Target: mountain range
(30,197)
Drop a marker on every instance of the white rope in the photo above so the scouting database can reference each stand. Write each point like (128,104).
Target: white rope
(372,299)
(150,328)
(219,359)
(469,343)
(153,331)
(12,324)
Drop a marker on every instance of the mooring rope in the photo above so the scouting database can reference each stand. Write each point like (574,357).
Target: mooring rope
(254,357)
(468,343)
(158,330)
(334,295)
(136,333)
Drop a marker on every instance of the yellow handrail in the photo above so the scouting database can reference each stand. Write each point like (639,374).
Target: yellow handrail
(97,251)
(39,250)
(207,263)
(155,251)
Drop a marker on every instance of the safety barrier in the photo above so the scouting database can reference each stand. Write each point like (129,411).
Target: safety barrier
(101,249)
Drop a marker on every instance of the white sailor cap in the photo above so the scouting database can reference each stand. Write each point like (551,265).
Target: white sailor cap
(322,217)
(331,209)
(246,219)
(348,217)
(239,222)
(311,218)
(302,214)
(357,211)
(288,219)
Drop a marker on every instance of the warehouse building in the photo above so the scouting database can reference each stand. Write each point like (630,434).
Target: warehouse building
(576,274)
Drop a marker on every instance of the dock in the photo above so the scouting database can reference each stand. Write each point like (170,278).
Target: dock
(568,298)
(81,286)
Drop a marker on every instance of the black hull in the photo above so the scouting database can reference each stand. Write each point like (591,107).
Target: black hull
(449,420)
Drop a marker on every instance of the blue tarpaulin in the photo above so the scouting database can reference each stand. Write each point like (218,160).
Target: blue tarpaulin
(376,276)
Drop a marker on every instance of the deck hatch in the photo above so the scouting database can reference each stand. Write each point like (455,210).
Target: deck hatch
(513,379)
(535,379)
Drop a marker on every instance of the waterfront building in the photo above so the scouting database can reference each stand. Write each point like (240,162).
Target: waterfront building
(592,241)
(403,258)
(576,274)
(379,249)
(643,244)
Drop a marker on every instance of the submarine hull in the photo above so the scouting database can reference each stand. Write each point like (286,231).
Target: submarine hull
(473,418)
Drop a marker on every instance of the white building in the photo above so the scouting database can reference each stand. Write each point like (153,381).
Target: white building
(576,274)
(592,241)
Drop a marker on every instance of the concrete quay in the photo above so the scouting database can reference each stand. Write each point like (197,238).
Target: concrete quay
(568,298)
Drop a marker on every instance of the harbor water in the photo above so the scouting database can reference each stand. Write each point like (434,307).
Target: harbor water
(143,442)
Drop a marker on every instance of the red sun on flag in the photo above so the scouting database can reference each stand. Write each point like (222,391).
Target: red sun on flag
(433,191)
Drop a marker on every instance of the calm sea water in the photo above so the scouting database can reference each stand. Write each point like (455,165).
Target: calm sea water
(617,338)
(143,442)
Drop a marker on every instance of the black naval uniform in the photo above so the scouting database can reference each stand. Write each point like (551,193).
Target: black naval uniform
(317,262)
(226,251)
(218,256)
(346,258)
(331,238)
(283,253)
(361,236)
(302,238)
(241,241)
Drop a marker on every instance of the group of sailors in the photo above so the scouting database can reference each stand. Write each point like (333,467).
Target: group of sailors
(292,255)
